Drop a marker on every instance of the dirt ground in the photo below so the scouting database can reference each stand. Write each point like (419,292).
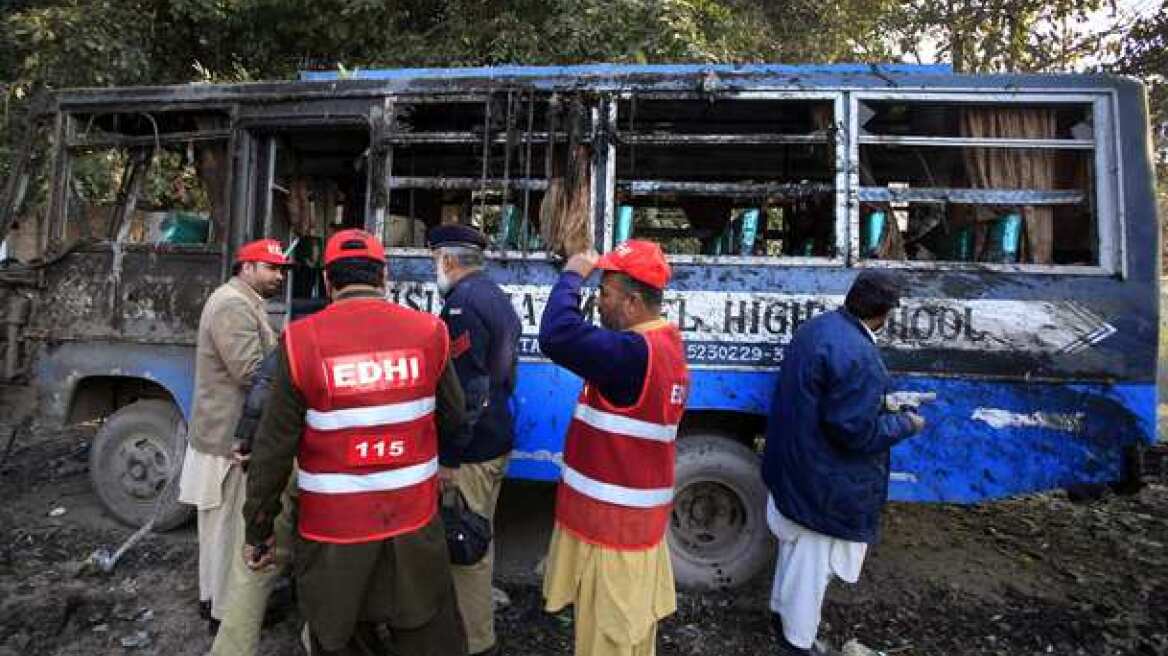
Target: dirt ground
(1039,575)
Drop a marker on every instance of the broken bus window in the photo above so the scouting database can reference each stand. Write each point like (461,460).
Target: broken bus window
(146,178)
(727,176)
(27,196)
(964,182)
(484,162)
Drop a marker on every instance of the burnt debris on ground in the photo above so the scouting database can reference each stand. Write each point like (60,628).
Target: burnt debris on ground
(1036,575)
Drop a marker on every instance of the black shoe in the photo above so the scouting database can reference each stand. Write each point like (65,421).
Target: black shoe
(274,615)
(205,610)
(785,647)
(213,627)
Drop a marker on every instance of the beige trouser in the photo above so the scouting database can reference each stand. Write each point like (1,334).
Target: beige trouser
(480,483)
(248,591)
(220,540)
(591,640)
(619,596)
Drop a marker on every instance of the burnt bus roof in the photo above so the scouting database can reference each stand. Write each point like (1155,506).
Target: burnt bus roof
(711,79)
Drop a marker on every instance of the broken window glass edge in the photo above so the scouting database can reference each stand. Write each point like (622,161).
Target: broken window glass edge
(473,138)
(746,189)
(112,141)
(490,253)
(952,265)
(944,142)
(722,139)
(471,184)
(961,196)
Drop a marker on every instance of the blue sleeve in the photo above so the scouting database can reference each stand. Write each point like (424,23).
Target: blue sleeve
(853,415)
(469,345)
(612,360)
(502,358)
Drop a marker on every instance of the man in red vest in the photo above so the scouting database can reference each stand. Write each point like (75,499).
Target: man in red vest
(608,554)
(362,395)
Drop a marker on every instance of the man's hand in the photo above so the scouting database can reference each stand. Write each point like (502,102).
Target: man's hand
(446,478)
(918,422)
(241,454)
(260,556)
(582,263)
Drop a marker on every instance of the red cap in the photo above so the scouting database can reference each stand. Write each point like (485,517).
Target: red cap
(262,250)
(640,260)
(353,243)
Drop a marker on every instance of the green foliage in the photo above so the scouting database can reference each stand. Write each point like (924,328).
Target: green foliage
(1145,55)
(66,43)
(69,43)
(979,36)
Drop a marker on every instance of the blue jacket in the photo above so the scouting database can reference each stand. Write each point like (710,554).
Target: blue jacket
(829,436)
(615,361)
(484,346)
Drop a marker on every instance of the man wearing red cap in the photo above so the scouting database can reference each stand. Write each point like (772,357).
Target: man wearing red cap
(608,554)
(234,335)
(362,395)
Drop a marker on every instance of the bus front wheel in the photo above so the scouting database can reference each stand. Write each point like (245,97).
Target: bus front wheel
(135,462)
(718,535)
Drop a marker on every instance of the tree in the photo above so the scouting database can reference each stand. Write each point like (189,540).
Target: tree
(66,43)
(72,43)
(980,36)
(1145,55)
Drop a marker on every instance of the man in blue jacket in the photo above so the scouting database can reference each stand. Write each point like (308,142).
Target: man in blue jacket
(827,454)
(484,346)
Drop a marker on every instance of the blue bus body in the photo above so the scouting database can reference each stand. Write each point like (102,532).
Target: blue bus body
(1034,414)
(990,434)
(1045,373)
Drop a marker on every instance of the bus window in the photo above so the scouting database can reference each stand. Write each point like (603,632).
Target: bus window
(309,182)
(736,177)
(146,178)
(25,210)
(477,161)
(973,182)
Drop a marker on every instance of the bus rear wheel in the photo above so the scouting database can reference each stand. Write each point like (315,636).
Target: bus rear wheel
(718,535)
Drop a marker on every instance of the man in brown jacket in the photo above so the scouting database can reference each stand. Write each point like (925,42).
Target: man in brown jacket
(234,336)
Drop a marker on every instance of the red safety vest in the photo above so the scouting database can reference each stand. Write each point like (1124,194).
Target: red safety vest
(617,484)
(368,460)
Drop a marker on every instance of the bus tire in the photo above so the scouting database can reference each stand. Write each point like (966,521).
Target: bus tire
(135,454)
(718,535)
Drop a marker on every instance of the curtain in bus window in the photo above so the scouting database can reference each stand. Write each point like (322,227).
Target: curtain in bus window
(211,166)
(1002,168)
(566,211)
(891,244)
(823,120)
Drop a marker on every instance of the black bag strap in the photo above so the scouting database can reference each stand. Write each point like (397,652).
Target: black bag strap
(452,497)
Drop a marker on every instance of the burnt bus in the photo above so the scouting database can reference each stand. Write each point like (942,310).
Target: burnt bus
(1018,209)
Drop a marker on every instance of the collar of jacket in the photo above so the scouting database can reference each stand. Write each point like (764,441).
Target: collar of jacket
(346,295)
(474,273)
(860,325)
(246,289)
(646,326)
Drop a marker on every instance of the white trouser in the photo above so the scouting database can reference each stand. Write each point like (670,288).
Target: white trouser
(807,561)
(217,488)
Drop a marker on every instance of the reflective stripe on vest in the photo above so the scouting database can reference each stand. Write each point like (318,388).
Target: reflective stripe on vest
(616,486)
(626,426)
(384,481)
(368,457)
(377,415)
(630,497)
